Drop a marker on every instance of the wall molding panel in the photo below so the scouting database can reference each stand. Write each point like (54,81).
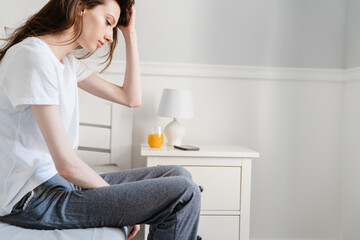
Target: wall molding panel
(232,71)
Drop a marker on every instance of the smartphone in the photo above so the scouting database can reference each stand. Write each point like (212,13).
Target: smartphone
(187,147)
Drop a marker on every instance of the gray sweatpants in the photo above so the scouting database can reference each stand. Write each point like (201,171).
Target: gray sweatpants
(164,197)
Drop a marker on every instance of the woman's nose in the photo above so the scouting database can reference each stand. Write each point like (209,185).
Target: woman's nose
(109,37)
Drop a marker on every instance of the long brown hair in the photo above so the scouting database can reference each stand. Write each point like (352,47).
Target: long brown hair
(59,15)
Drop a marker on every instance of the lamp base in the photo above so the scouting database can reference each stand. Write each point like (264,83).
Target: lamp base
(174,133)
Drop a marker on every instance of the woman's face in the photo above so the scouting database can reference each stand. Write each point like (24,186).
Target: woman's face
(98,24)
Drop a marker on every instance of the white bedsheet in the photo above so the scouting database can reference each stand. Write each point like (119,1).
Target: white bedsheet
(9,232)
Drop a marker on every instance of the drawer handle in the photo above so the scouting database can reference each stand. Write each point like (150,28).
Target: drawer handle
(201,188)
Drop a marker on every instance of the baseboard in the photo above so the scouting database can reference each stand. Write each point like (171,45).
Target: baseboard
(232,71)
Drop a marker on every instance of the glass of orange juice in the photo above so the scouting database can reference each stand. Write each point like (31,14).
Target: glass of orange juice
(156,137)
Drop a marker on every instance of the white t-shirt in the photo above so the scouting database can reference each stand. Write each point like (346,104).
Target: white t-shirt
(30,74)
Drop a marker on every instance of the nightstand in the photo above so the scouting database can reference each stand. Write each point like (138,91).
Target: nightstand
(224,174)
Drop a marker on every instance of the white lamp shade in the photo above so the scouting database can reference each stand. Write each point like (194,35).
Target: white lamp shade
(176,103)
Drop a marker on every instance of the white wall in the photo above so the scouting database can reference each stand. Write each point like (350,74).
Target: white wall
(353,34)
(350,154)
(282,33)
(350,178)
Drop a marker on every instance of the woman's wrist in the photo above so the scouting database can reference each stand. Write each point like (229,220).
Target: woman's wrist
(130,38)
(129,34)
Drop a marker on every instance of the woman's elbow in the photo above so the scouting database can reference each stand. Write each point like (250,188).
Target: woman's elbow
(66,172)
(135,103)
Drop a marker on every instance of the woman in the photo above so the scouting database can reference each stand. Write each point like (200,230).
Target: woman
(43,183)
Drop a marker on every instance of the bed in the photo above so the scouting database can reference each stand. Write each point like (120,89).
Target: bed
(8,232)
(105,144)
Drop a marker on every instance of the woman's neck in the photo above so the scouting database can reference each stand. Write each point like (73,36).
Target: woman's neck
(58,43)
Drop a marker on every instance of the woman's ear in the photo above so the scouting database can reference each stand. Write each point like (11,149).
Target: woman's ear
(80,9)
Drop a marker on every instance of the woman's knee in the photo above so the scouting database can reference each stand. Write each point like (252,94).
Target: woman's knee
(180,171)
(192,190)
(195,194)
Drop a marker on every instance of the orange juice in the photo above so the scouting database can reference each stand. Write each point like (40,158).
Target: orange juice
(155,140)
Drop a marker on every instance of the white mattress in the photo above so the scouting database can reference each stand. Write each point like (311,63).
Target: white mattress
(16,233)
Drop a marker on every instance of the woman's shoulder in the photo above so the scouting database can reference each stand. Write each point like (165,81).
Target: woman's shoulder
(30,55)
(30,49)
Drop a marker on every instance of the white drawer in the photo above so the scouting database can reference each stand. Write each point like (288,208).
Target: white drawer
(221,187)
(94,137)
(219,227)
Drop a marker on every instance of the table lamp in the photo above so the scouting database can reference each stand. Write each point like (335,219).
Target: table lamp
(175,103)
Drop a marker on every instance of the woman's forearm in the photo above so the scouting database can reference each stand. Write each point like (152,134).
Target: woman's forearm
(82,175)
(67,162)
(132,80)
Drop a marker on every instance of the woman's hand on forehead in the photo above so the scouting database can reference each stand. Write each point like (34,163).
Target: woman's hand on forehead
(131,26)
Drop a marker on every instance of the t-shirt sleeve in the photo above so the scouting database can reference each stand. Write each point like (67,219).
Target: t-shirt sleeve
(82,70)
(31,79)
